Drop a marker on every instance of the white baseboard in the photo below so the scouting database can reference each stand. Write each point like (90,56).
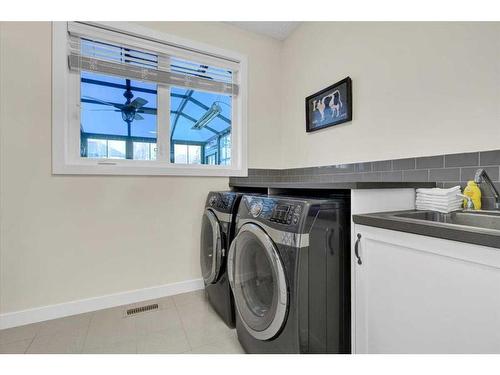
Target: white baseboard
(40,314)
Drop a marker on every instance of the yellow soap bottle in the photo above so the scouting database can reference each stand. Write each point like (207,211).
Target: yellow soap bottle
(473,192)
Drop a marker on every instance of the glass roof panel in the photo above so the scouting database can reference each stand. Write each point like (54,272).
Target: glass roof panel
(194,110)
(195,106)
(184,133)
(175,102)
(209,98)
(219,125)
(100,96)
(145,128)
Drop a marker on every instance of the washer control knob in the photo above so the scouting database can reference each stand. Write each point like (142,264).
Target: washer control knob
(256,209)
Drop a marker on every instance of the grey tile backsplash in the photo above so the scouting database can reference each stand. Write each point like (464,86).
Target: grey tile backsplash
(430,162)
(445,170)
(404,164)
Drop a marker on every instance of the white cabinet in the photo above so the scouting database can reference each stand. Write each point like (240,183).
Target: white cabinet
(374,200)
(417,294)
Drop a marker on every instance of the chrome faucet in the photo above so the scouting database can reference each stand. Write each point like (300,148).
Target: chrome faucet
(470,204)
(480,177)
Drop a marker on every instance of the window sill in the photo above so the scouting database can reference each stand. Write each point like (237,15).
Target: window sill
(145,168)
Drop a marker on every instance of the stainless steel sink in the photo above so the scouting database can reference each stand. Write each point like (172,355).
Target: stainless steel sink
(475,227)
(477,219)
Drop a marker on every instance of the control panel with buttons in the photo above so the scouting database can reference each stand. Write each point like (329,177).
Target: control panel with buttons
(221,201)
(286,214)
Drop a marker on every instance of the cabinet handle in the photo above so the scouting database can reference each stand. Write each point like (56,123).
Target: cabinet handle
(356,249)
(329,236)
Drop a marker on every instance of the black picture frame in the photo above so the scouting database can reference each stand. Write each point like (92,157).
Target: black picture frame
(322,113)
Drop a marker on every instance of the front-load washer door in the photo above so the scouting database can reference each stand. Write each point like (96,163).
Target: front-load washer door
(211,247)
(257,277)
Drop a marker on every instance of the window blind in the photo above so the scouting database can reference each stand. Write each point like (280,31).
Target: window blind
(108,52)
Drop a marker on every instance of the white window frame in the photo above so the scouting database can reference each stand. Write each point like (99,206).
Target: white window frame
(66,157)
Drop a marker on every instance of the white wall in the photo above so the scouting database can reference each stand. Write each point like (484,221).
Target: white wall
(418,89)
(66,238)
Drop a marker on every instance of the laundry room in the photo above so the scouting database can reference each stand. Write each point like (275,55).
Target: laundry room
(289,183)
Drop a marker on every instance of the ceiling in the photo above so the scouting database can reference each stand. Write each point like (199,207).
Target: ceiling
(275,29)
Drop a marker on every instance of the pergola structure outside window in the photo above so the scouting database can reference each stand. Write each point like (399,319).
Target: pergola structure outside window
(102,101)
(187,107)
(148,111)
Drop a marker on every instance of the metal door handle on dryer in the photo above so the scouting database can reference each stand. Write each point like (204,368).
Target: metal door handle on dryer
(356,249)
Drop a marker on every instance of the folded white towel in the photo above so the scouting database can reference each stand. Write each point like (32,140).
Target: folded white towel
(440,204)
(438,210)
(439,191)
(447,204)
(438,207)
(443,211)
(440,196)
(438,201)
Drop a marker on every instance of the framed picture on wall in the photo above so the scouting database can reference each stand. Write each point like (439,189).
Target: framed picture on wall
(330,106)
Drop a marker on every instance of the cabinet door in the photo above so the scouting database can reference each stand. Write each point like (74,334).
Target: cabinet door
(373,200)
(416,294)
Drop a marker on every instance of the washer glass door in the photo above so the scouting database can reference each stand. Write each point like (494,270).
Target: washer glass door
(210,247)
(258,280)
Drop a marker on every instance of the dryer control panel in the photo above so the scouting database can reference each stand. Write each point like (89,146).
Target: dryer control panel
(285,213)
(277,210)
(222,201)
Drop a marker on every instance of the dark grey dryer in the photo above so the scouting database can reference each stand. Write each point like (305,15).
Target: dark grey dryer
(217,231)
(290,274)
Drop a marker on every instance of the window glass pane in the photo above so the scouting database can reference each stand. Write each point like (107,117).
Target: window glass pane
(117,109)
(153,148)
(187,154)
(116,149)
(202,118)
(97,148)
(194,154)
(144,151)
(118,118)
(210,159)
(225,150)
(180,154)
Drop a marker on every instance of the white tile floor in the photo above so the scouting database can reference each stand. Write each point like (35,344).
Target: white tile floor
(185,323)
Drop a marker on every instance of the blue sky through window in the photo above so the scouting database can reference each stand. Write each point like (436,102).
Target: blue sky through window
(196,104)
(99,118)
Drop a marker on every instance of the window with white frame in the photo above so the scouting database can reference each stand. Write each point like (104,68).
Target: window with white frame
(132,101)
